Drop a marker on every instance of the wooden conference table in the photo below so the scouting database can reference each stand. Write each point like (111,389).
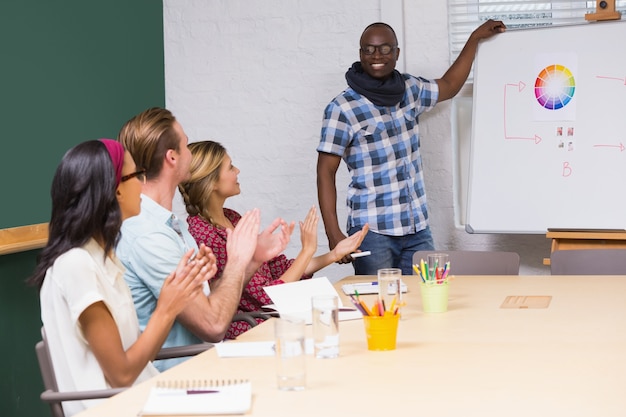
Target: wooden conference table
(568,359)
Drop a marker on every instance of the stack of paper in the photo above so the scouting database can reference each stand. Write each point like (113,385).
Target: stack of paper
(294,298)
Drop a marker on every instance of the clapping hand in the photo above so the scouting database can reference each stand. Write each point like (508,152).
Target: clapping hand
(270,244)
(186,282)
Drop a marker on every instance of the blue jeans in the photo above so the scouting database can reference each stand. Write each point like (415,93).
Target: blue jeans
(390,251)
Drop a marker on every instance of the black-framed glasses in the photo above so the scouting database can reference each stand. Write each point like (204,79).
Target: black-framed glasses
(384,49)
(141,176)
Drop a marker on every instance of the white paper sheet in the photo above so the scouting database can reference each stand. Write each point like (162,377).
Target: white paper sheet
(294,298)
(253,349)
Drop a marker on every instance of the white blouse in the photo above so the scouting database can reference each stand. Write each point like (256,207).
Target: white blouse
(77,279)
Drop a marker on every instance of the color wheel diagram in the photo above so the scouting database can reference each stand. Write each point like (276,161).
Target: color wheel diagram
(554,87)
(548,108)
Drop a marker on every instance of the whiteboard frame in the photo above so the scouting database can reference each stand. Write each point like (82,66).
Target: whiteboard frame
(548,201)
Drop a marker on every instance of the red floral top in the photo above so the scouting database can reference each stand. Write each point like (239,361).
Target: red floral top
(269,273)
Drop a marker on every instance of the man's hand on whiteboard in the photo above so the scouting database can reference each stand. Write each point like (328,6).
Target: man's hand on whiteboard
(488,29)
(452,81)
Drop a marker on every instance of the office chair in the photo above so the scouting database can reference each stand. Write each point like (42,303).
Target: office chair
(588,262)
(54,398)
(477,262)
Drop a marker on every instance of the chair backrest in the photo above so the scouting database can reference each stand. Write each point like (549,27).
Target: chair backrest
(47,374)
(464,262)
(588,262)
(51,394)
(55,399)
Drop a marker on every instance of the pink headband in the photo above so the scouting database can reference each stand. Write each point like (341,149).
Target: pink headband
(116,151)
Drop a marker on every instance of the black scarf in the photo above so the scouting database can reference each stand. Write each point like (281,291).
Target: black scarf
(386,92)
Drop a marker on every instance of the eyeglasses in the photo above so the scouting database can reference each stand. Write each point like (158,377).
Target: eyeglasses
(141,176)
(384,49)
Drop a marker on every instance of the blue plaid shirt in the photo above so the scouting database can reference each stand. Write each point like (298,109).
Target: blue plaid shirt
(380,146)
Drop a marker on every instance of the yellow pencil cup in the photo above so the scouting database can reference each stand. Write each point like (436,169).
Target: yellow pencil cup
(381,332)
(434,297)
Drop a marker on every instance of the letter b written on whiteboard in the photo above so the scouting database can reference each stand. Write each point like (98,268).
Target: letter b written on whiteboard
(567,170)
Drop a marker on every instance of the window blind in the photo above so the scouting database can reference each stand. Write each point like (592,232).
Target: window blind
(466,15)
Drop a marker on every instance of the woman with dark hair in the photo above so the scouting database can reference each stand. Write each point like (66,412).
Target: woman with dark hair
(86,307)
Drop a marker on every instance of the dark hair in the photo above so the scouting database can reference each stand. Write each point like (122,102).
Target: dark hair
(84,205)
(380,24)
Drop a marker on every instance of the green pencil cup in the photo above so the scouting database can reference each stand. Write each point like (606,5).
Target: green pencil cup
(434,297)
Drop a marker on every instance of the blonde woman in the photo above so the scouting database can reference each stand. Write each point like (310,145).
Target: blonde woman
(213,180)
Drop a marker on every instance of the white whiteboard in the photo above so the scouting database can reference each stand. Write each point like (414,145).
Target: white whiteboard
(536,163)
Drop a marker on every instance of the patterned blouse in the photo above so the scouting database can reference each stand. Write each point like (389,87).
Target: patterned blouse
(269,273)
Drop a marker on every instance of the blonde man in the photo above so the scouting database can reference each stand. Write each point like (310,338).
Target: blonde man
(153,240)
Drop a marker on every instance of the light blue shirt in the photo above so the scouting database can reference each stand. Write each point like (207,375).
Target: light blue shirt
(150,249)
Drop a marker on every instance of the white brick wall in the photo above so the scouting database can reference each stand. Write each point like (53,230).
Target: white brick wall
(256,76)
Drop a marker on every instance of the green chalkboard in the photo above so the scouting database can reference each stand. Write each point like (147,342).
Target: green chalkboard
(70,71)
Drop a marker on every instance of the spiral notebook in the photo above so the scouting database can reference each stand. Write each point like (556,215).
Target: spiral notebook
(368,288)
(198,397)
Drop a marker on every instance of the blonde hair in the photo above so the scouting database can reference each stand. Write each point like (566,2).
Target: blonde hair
(206,160)
(148,136)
